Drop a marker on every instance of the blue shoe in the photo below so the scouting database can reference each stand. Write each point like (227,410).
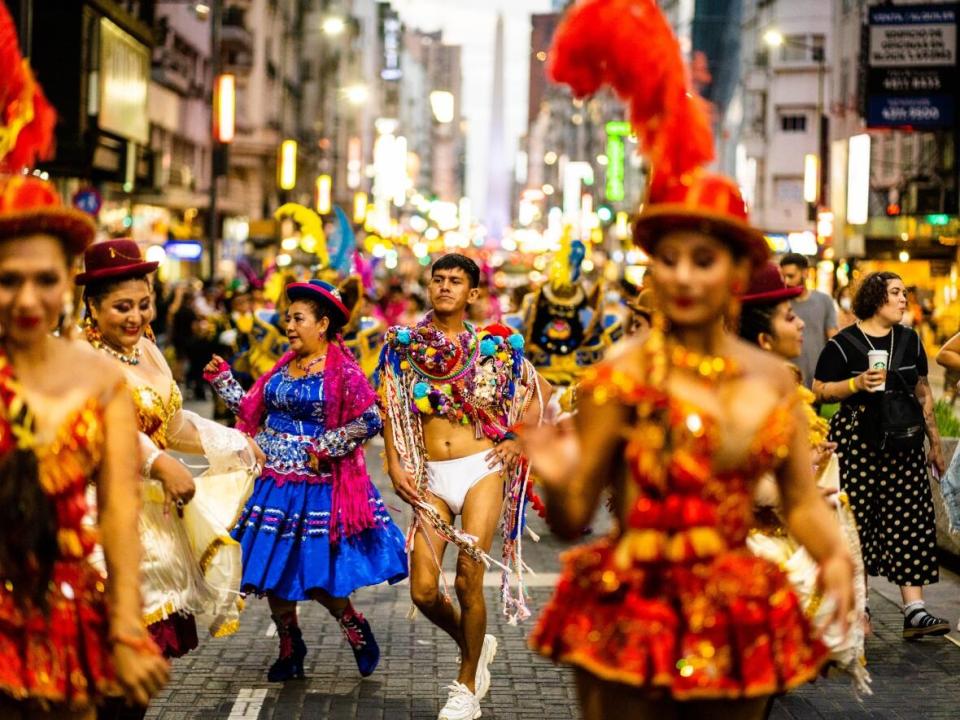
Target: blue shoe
(358,633)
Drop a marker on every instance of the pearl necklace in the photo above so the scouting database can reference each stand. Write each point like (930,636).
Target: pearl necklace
(132,359)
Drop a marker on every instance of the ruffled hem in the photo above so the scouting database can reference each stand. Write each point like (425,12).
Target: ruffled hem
(61,658)
(282,478)
(725,628)
(287,549)
(175,635)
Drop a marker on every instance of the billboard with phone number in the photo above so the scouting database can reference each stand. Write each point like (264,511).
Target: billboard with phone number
(912,66)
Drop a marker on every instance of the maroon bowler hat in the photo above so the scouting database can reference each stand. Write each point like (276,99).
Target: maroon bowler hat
(114,260)
(767,287)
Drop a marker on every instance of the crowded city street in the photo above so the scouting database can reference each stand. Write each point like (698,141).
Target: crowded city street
(415,359)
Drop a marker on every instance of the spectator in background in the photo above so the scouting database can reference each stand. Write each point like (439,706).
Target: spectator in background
(817,311)
(845,316)
(888,486)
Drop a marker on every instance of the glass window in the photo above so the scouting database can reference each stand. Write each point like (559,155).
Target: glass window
(788,189)
(793,123)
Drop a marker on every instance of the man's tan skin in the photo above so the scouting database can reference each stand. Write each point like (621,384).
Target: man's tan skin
(450,294)
(795,276)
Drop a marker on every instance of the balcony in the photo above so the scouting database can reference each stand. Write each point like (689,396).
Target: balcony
(236,41)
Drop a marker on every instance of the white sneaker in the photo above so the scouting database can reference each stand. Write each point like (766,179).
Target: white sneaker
(461,704)
(487,654)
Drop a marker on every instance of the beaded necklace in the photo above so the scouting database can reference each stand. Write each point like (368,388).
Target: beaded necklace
(95,338)
(436,358)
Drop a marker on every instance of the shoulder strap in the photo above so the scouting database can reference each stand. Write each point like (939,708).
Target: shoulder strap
(851,335)
(901,348)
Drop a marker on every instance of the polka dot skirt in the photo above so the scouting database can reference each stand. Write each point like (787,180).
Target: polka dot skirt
(890,497)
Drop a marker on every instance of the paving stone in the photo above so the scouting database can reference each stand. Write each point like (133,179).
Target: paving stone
(226,678)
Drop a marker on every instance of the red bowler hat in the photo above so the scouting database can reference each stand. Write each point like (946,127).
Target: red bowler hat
(114,260)
(31,206)
(705,202)
(319,290)
(767,287)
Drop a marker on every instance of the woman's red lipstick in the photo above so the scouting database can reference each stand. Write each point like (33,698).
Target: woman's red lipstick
(27,323)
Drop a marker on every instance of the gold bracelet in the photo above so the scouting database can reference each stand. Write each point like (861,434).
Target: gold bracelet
(852,385)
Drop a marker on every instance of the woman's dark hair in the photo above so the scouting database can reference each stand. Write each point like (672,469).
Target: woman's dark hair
(28,519)
(323,309)
(453,261)
(94,292)
(872,294)
(756,320)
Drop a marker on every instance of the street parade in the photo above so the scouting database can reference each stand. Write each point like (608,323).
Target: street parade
(427,359)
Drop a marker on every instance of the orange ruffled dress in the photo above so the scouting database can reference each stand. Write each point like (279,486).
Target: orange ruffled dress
(63,658)
(674,602)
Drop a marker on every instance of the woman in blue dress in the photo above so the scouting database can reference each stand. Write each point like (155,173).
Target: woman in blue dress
(315,527)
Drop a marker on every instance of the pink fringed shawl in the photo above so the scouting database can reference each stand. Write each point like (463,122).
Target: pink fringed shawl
(346,395)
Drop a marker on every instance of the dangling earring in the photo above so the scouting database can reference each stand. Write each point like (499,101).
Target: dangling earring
(91,331)
(731,316)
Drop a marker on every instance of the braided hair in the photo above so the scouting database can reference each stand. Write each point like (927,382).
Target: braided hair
(28,519)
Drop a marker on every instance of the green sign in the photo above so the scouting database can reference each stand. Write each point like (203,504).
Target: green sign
(619,127)
(615,167)
(938,219)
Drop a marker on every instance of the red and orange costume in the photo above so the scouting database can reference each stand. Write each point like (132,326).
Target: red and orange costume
(674,600)
(61,656)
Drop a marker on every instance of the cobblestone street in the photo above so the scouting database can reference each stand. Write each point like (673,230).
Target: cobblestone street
(227,678)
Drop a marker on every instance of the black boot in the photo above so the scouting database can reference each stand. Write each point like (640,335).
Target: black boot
(358,633)
(293,650)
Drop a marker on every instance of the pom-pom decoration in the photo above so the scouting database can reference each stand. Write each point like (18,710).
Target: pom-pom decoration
(629,46)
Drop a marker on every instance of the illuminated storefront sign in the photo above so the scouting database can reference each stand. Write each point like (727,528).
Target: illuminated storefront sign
(124,77)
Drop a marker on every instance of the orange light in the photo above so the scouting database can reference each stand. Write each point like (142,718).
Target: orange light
(225,108)
(893,209)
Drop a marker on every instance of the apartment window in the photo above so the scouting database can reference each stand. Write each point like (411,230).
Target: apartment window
(796,123)
(788,189)
(802,48)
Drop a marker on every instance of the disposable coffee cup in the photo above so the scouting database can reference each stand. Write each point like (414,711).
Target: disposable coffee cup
(877,360)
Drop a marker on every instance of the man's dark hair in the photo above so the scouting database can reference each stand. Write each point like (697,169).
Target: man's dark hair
(795,259)
(453,261)
(872,294)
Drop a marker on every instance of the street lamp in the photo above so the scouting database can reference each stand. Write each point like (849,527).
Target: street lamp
(333,25)
(774,38)
(357,94)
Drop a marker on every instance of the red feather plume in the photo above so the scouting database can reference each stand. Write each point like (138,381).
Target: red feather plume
(629,45)
(26,117)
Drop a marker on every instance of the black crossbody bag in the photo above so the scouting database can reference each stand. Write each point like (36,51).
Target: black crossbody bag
(901,424)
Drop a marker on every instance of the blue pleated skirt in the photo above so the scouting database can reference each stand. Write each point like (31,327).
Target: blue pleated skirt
(284,532)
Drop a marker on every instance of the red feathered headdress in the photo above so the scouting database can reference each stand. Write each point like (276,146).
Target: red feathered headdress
(629,46)
(29,205)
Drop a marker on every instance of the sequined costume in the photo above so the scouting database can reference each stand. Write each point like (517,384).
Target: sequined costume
(771,540)
(565,327)
(190,567)
(62,657)
(673,601)
(285,528)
